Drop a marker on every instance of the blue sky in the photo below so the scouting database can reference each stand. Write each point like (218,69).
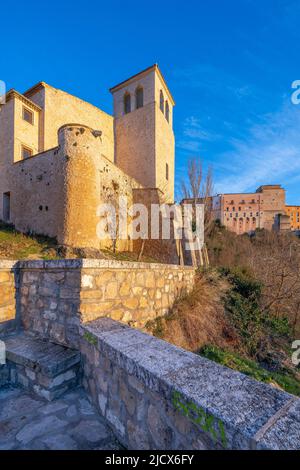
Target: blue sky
(229,65)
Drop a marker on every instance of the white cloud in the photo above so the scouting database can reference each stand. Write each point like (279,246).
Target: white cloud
(193,135)
(270,153)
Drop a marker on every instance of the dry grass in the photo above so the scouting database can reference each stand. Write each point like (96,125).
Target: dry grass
(198,318)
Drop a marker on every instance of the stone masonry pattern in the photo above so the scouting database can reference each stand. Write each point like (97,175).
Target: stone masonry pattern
(28,422)
(55,296)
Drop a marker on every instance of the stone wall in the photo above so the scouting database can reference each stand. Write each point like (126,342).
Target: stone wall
(50,299)
(8,294)
(38,207)
(90,179)
(56,296)
(25,133)
(131,292)
(158,396)
(59,107)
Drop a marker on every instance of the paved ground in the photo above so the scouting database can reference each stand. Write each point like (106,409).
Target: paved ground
(28,422)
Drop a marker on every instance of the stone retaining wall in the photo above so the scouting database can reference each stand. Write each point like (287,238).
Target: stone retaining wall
(55,296)
(158,396)
(131,292)
(8,290)
(50,299)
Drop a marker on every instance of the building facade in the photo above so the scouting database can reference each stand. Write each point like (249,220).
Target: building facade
(246,212)
(60,157)
(294,214)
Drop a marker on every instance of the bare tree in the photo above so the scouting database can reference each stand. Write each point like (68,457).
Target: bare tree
(198,188)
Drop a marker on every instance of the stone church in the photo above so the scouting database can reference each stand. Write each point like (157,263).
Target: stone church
(60,157)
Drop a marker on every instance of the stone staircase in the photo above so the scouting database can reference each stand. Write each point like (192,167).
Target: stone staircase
(41,367)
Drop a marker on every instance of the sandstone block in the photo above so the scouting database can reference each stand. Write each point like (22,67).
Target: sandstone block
(111,290)
(125,289)
(4,277)
(131,303)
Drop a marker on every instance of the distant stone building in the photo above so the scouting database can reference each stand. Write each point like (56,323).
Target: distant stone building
(246,212)
(294,214)
(60,157)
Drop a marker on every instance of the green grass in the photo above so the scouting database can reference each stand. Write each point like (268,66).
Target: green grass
(128,256)
(287,381)
(15,245)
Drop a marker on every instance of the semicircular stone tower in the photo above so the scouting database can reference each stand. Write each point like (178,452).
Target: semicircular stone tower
(80,148)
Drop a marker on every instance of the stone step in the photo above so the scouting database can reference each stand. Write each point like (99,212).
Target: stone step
(44,368)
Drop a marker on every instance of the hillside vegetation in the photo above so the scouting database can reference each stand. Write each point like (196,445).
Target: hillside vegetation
(244,310)
(15,245)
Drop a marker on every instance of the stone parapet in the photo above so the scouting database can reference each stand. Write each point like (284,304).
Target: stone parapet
(55,296)
(158,396)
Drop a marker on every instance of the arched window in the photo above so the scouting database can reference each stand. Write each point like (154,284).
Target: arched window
(161,102)
(139,97)
(167,111)
(127,103)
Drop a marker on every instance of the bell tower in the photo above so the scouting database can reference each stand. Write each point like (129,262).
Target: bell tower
(143,128)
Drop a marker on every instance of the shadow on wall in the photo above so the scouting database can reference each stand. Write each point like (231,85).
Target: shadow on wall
(41,297)
(52,298)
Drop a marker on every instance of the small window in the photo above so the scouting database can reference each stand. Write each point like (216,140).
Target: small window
(127,103)
(167,171)
(27,115)
(162,102)
(26,153)
(167,111)
(139,97)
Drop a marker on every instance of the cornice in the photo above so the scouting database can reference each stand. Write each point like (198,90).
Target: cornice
(15,94)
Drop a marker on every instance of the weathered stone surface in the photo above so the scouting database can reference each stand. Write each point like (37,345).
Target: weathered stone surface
(18,405)
(284,432)
(33,424)
(48,358)
(59,442)
(85,407)
(128,398)
(33,430)
(53,407)
(53,294)
(137,437)
(47,369)
(92,431)
(178,400)
(161,433)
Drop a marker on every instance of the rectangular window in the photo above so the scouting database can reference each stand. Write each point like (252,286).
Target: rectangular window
(26,152)
(167,171)
(27,115)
